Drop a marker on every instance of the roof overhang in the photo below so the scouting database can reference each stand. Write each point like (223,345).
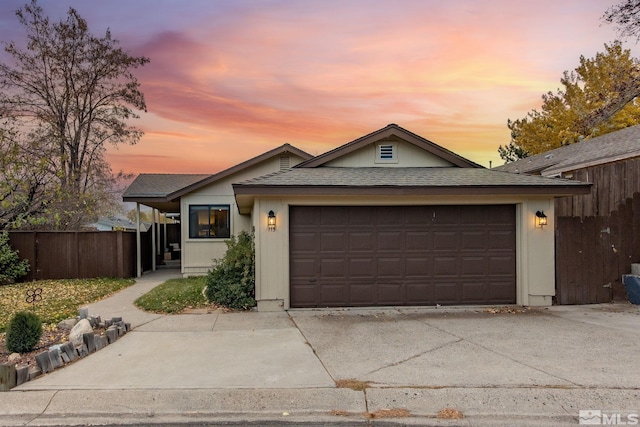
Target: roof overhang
(246,194)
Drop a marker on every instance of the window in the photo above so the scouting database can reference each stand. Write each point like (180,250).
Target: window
(209,221)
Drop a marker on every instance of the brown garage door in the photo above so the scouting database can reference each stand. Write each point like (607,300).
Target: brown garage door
(402,255)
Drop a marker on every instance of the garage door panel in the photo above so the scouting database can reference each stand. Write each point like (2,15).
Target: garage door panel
(402,255)
(334,268)
(390,267)
(360,268)
(304,242)
(391,241)
(445,240)
(362,241)
(391,294)
(333,293)
(473,240)
(332,242)
(473,266)
(303,268)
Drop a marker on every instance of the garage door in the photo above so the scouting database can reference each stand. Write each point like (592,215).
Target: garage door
(402,255)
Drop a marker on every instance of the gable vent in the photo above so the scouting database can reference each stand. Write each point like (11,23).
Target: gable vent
(285,162)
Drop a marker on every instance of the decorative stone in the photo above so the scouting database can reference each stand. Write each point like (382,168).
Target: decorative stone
(67,324)
(107,323)
(13,357)
(22,374)
(83,327)
(89,340)
(127,327)
(7,376)
(82,350)
(65,358)
(44,362)
(68,349)
(56,360)
(112,334)
(116,319)
(101,342)
(34,372)
(83,312)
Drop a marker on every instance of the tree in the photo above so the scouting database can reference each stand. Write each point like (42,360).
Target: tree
(627,16)
(65,98)
(598,97)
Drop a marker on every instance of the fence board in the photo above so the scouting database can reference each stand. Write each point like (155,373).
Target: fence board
(76,254)
(593,252)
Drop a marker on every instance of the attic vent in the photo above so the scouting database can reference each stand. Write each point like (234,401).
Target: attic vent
(386,153)
(285,162)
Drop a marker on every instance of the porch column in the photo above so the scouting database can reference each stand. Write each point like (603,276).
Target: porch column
(138,244)
(153,240)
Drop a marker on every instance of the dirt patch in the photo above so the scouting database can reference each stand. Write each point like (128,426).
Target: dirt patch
(450,414)
(353,384)
(389,413)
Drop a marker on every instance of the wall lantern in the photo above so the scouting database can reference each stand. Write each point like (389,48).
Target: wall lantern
(541,219)
(271,221)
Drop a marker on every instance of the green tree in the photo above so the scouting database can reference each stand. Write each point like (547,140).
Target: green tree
(598,97)
(11,266)
(64,98)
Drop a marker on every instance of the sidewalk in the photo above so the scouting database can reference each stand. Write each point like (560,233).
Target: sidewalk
(536,367)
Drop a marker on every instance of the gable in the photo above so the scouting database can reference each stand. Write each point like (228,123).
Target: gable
(391,151)
(412,150)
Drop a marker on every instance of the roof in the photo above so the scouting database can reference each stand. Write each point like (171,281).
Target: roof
(391,130)
(402,181)
(162,191)
(611,147)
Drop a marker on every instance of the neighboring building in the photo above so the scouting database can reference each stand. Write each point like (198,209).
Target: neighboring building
(610,162)
(115,224)
(388,219)
(598,233)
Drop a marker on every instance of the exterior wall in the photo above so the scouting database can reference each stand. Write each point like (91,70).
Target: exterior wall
(613,183)
(535,281)
(408,156)
(197,255)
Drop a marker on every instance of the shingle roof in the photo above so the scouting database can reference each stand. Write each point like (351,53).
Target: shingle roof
(160,185)
(402,177)
(614,146)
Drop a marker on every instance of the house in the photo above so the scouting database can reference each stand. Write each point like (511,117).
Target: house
(610,162)
(390,218)
(113,223)
(597,233)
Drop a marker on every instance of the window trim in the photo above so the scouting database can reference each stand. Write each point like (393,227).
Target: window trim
(210,207)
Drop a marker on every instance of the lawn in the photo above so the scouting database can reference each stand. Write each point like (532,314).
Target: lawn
(60,298)
(175,295)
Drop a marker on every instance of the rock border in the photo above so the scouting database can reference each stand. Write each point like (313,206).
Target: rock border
(60,355)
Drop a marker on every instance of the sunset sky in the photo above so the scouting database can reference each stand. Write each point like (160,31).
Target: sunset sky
(229,80)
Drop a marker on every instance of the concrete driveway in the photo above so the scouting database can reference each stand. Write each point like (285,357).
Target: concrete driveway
(548,362)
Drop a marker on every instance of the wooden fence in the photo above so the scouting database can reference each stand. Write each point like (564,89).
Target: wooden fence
(77,254)
(593,252)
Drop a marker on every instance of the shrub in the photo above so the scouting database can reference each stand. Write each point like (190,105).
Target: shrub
(232,281)
(24,332)
(11,266)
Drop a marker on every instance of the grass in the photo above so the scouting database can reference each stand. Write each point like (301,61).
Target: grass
(60,298)
(175,295)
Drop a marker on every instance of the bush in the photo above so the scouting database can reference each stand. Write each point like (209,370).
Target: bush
(11,266)
(232,281)
(24,332)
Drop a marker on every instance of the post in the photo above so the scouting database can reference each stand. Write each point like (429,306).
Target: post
(138,242)
(153,240)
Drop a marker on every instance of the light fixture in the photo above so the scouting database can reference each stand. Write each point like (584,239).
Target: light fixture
(271,221)
(541,219)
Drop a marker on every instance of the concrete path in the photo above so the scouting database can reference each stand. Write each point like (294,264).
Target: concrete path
(532,367)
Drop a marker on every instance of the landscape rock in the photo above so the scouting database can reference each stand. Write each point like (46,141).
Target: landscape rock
(67,324)
(81,328)
(13,357)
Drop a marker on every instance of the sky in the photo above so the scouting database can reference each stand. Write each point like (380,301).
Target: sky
(231,79)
